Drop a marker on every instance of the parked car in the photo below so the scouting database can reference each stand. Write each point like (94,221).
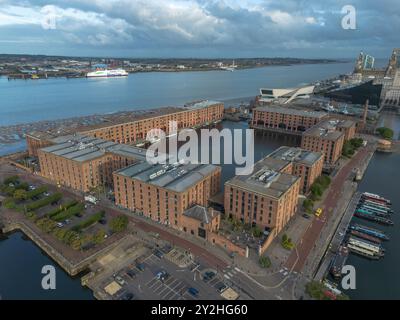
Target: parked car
(60,225)
(131,274)
(318,212)
(305,215)
(140,267)
(158,253)
(221,287)
(120,281)
(193,291)
(103,221)
(127,296)
(162,275)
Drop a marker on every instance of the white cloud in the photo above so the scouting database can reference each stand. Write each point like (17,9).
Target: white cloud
(218,25)
(15,15)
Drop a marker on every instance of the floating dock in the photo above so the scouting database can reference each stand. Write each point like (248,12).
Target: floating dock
(339,261)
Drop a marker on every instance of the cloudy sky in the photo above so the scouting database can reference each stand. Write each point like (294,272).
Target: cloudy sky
(198,28)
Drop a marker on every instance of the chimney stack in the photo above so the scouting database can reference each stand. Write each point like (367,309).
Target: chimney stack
(365,114)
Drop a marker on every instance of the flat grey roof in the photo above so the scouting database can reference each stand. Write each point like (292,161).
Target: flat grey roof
(292,111)
(264,180)
(326,129)
(175,177)
(346,123)
(128,151)
(82,148)
(294,154)
(201,104)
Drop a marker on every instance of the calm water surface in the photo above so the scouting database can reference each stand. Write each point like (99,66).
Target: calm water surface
(21,263)
(26,101)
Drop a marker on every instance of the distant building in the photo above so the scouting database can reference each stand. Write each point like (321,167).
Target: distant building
(287,119)
(364,62)
(284,96)
(391,96)
(135,128)
(394,63)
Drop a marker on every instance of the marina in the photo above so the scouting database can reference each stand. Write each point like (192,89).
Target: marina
(362,240)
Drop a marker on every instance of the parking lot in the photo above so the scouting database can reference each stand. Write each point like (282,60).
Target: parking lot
(152,276)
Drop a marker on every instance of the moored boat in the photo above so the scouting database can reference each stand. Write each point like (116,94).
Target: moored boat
(364,236)
(370,231)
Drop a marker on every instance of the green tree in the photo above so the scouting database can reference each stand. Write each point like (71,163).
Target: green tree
(257,232)
(385,132)
(59,233)
(76,243)
(12,179)
(265,262)
(9,203)
(99,236)
(308,205)
(20,195)
(119,223)
(287,242)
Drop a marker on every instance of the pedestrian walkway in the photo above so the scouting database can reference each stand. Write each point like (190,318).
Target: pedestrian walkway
(308,242)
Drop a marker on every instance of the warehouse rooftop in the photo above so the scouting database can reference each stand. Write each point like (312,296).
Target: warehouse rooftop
(117,118)
(176,177)
(292,111)
(294,154)
(328,129)
(201,104)
(82,148)
(265,180)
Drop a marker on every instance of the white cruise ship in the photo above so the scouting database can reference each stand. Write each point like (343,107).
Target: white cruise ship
(107,73)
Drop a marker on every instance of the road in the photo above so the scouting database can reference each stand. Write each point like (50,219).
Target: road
(311,235)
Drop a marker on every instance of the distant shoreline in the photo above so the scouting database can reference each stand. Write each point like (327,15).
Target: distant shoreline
(146,65)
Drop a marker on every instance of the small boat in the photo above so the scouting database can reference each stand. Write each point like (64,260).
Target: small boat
(375,197)
(374,218)
(365,236)
(370,231)
(363,252)
(373,247)
(373,212)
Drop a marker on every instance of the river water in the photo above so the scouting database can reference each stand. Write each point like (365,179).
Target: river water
(33,100)
(26,101)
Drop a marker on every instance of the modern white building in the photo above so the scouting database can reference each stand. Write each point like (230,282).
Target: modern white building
(284,96)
